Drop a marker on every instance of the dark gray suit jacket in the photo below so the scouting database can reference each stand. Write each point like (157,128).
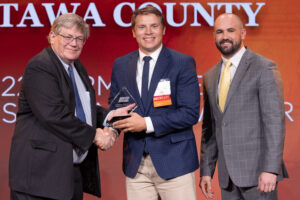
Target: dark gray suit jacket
(248,138)
(41,158)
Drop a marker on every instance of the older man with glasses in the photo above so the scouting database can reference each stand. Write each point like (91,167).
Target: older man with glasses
(52,152)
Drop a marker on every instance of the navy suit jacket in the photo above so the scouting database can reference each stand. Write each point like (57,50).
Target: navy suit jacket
(172,146)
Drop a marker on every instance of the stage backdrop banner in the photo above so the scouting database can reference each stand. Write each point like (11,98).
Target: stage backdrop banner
(272,30)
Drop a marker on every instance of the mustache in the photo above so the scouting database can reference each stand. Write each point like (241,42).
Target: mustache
(226,40)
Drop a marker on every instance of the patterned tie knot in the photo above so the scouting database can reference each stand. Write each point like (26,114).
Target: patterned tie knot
(147,58)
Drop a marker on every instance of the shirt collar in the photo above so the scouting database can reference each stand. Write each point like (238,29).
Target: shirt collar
(236,58)
(66,66)
(153,55)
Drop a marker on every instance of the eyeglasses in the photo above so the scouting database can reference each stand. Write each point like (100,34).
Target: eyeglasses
(69,39)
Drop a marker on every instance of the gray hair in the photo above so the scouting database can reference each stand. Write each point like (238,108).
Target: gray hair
(68,20)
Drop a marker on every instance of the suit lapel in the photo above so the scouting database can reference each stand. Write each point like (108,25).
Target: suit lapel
(60,67)
(132,80)
(160,67)
(216,77)
(239,74)
(84,78)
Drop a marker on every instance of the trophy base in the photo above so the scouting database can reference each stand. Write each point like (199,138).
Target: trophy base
(117,118)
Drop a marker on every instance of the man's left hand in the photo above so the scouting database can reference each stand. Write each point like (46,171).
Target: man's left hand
(267,182)
(135,123)
(121,111)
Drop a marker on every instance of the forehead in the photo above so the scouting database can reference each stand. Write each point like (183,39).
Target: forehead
(226,22)
(73,30)
(148,18)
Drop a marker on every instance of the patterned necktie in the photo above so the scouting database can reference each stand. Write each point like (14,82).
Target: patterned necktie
(79,109)
(145,80)
(224,85)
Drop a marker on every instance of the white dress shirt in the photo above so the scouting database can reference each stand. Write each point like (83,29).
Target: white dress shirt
(84,95)
(139,74)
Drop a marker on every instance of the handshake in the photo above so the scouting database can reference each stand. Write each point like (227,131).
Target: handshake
(105,138)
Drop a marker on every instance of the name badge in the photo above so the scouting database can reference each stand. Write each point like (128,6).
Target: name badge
(162,95)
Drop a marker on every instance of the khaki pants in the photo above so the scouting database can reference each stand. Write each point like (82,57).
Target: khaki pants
(147,185)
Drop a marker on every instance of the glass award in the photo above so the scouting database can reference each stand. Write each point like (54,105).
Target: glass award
(122,99)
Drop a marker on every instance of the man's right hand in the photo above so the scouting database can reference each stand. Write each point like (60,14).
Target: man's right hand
(205,185)
(105,138)
(134,124)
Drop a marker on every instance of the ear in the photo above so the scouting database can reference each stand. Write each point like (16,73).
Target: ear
(243,33)
(52,35)
(133,33)
(164,31)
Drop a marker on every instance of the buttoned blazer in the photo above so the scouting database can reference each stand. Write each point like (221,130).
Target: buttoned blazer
(172,146)
(41,158)
(248,137)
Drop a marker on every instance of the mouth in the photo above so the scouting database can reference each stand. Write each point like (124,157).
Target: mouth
(73,50)
(149,39)
(226,42)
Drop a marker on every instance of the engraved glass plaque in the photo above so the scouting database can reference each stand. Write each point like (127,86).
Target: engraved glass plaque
(122,99)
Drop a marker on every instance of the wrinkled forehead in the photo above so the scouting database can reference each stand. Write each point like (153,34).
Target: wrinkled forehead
(72,30)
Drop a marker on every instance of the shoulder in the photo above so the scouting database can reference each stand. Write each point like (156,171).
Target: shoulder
(179,61)
(45,59)
(212,70)
(45,63)
(41,57)
(176,55)
(258,60)
(126,58)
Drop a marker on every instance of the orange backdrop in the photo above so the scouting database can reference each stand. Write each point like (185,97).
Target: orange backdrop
(276,36)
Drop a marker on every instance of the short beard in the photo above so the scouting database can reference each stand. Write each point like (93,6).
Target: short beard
(231,50)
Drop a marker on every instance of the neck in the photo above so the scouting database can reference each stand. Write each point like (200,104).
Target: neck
(231,55)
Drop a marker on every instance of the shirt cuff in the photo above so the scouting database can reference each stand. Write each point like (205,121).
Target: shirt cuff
(105,120)
(149,125)
(110,125)
(116,131)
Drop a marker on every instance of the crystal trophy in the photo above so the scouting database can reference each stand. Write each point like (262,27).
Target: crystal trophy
(122,99)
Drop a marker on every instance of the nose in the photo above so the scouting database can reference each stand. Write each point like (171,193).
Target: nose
(225,35)
(73,42)
(148,30)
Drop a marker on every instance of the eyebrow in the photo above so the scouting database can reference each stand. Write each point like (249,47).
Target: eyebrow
(230,28)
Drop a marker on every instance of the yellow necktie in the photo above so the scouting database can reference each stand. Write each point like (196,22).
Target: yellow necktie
(224,85)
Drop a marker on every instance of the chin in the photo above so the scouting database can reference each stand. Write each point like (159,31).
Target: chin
(73,57)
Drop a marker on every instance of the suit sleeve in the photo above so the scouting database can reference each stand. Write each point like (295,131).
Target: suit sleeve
(114,84)
(101,115)
(187,100)
(272,112)
(209,152)
(44,96)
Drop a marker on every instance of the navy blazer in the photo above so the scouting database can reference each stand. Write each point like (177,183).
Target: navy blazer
(41,156)
(172,146)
